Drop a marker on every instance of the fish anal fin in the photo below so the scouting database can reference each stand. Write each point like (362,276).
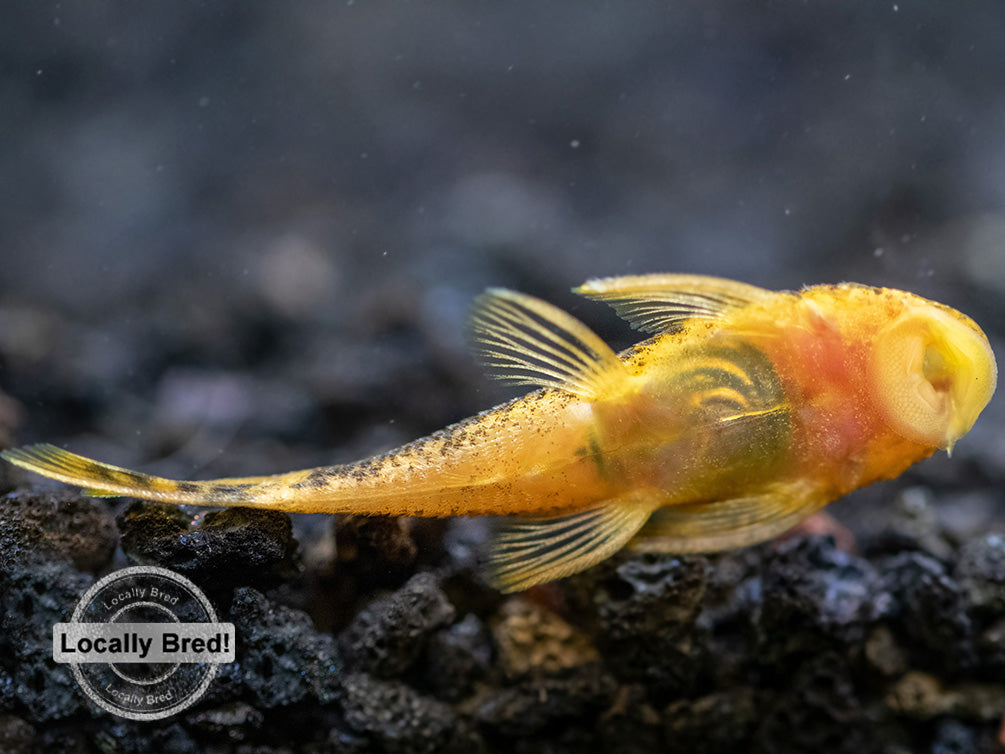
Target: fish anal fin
(727,524)
(530,551)
(524,340)
(658,303)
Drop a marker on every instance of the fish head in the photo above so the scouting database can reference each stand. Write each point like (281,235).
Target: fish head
(934,372)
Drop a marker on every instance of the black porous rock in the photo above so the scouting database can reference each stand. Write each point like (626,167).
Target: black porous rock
(570,698)
(980,572)
(723,721)
(233,722)
(281,658)
(456,657)
(816,708)
(631,724)
(33,598)
(363,541)
(227,548)
(127,737)
(953,737)
(400,720)
(908,523)
(388,635)
(647,617)
(38,525)
(16,735)
(152,532)
(991,650)
(924,603)
(815,597)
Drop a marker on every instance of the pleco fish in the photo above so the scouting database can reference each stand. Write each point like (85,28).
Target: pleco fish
(745,412)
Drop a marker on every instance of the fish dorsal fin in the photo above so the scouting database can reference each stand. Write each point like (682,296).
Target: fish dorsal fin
(727,524)
(524,340)
(657,303)
(527,551)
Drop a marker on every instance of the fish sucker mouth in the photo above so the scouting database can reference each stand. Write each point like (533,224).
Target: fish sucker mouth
(933,372)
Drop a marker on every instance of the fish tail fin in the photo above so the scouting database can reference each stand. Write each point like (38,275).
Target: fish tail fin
(105,480)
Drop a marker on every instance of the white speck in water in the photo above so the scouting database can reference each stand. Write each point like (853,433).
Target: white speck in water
(788,211)
(204,101)
(574,143)
(363,155)
(847,76)
(877,252)
(896,7)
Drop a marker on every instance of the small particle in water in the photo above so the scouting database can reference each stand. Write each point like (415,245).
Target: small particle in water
(574,143)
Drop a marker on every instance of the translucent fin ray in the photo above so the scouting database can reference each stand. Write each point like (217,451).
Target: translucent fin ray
(527,341)
(657,303)
(726,524)
(529,551)
(100,479)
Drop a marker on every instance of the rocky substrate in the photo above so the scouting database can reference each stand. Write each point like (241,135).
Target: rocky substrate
(391,641)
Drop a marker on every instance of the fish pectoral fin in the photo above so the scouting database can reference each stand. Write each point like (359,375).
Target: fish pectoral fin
(524,340)
(726,524)
(527,551)
(657,303)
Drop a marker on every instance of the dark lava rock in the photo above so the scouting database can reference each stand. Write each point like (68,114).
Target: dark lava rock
(125,737)
(151,532)
(575,698)
(911,522)
(398,718)
(991,651)
(32,599)
(980,572)
(630,724)
(229,547)
(720,722)
(646,619)
(375,550)
(16,735)
(36,526)
(814,597)
(388,635)
(953,737)
(928,607)
(819,709)
(281,658)
(230,722)
(457,657)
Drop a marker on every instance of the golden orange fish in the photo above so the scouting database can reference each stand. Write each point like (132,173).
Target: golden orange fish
(745,412)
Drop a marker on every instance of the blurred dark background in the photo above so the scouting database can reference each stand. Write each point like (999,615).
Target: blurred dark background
(242,237)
